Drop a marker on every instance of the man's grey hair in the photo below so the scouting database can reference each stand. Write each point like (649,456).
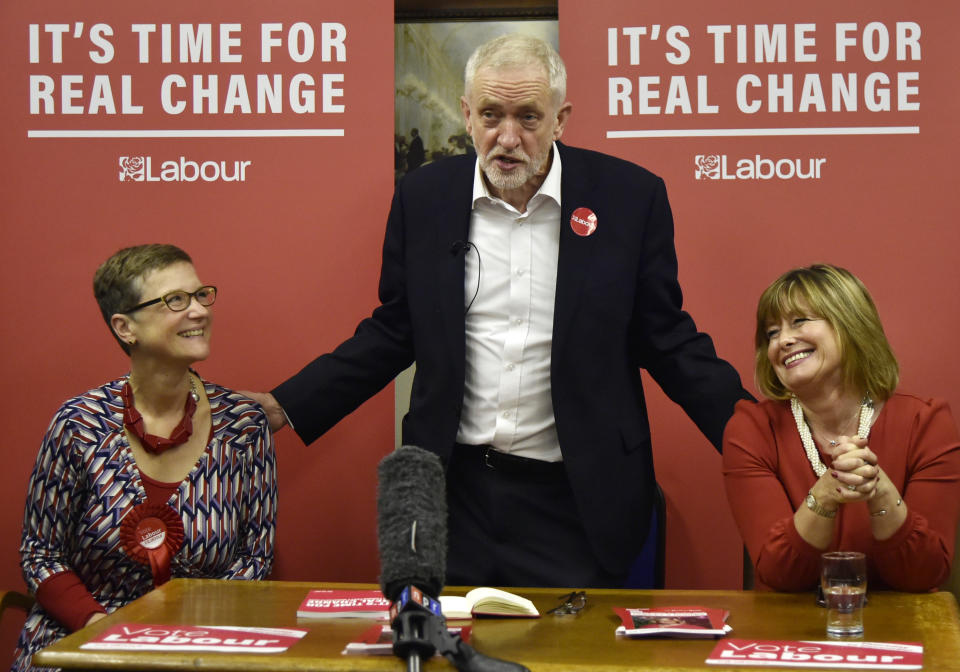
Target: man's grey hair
(513,50)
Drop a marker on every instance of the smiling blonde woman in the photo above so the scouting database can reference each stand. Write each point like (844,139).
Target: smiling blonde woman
(836,458)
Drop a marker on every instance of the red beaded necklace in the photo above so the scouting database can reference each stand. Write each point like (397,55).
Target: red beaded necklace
(133,421)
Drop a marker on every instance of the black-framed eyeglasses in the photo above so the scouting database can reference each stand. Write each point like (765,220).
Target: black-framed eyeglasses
(179,299)
(570,604)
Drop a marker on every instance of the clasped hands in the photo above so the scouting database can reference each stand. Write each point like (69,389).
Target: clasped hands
(854,470)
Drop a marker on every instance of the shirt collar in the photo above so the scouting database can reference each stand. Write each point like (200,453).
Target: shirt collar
(550,187)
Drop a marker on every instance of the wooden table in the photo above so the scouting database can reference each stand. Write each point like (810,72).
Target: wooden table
(549,643)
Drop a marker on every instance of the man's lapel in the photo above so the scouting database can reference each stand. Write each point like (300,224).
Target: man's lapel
(454,204)
(577,253)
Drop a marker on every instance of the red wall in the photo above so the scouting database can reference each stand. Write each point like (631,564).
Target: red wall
(294,248)
(884,206)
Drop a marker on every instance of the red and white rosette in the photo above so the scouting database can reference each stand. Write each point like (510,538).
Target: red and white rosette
(151,534)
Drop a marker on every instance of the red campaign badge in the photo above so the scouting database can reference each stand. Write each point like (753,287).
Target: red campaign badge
(151,534)
(583,221)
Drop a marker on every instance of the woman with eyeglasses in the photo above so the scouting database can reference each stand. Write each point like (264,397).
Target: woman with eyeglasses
(154,475)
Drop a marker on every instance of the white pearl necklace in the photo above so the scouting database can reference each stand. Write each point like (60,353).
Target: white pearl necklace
(806,438)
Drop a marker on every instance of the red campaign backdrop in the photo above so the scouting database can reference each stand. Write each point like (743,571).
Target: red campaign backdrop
(657,83)
(293,245)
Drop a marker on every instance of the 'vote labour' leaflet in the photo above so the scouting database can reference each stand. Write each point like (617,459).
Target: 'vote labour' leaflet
(229,639)
(854,655)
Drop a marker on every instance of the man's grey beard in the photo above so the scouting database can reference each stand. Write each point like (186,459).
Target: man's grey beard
(515,178)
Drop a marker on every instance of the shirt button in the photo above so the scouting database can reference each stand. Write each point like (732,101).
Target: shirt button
(518,321)
(510,366)
(506,414)
(520,272)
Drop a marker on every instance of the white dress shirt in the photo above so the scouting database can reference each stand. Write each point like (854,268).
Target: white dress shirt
(510,287)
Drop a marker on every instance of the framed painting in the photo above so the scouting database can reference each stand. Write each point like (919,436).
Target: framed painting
(430,56)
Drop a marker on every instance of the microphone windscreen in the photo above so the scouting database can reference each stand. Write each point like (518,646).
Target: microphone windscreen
(411,522)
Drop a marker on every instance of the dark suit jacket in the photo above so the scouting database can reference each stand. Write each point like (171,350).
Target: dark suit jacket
(618,309)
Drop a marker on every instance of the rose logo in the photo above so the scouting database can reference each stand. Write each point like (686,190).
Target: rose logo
(708,166)
(131,168)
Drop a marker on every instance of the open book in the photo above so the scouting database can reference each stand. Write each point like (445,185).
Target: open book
(487,602)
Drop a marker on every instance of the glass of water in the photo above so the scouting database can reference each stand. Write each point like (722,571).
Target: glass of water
(843,579)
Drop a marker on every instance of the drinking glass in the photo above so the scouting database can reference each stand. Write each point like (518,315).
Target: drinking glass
(843,578)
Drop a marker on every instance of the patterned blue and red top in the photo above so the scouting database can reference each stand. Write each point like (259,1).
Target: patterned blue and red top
(86,481)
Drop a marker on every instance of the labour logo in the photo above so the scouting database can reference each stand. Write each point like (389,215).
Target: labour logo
(583,221)
(721,167)
(131,169)
(707,167)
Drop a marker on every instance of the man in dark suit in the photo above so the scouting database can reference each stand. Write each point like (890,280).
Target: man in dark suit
(530,284)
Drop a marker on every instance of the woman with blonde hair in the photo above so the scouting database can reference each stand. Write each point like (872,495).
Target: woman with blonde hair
(836,458)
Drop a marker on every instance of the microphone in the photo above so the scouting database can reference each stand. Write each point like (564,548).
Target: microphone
(411,522)
(412,536)
(456,248)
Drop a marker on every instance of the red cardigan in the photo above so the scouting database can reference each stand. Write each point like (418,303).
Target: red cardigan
(767,476)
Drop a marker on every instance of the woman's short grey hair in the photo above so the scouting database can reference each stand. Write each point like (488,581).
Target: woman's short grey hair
(515,50)
(116,283)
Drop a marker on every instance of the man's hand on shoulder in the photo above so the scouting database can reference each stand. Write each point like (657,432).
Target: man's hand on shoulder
(275,415)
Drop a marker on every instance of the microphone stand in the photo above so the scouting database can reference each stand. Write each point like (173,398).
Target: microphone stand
(413,638)
(419,634)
